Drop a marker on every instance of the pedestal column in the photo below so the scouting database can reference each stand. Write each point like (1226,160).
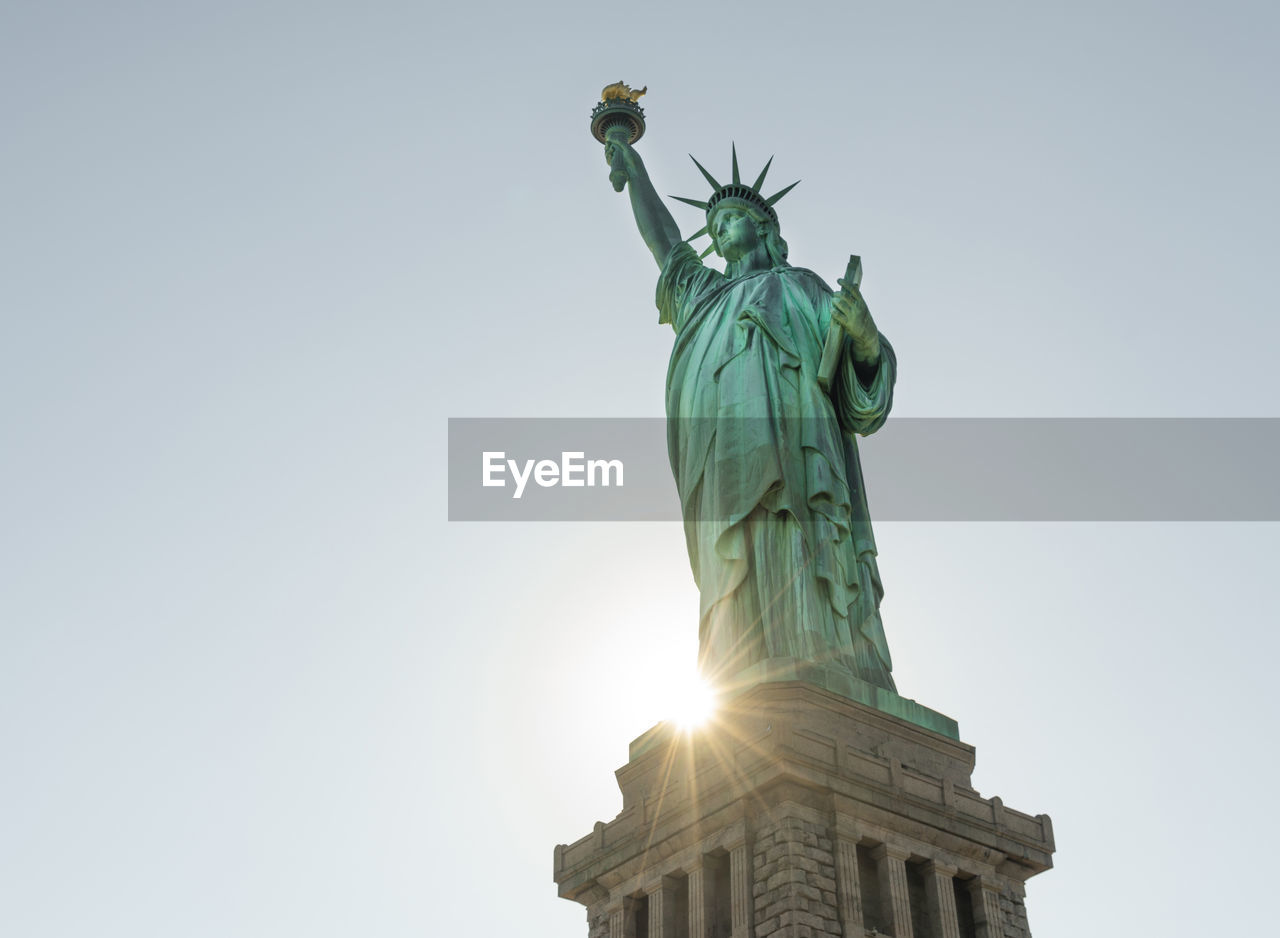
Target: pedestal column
(940,899)
(662,910)
(895,898)
(848,885)
(698,899)
(740,901)
(622,923)
(985,895)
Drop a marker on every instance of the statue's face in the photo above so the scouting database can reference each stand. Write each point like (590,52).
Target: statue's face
(736,233)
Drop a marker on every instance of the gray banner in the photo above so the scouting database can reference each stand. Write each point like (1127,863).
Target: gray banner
(1178,469)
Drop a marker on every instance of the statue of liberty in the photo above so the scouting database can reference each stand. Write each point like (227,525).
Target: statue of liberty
(762,449)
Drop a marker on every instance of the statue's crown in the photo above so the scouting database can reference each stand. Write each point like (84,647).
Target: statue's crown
(735,191)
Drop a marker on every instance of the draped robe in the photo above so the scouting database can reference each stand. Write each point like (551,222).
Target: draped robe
(767,469)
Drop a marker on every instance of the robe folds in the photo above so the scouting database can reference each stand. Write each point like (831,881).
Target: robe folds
(766,465)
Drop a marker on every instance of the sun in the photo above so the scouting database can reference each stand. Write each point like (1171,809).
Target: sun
(691,703)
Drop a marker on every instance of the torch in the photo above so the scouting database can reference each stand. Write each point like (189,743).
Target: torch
(618,119)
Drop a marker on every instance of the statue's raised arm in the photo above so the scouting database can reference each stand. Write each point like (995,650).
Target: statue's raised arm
(653,218)
(618,122)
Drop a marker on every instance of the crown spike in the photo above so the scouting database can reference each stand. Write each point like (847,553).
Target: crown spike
(710,178)
(778,195)
(710,247)
(694,202)
(760,179)
(697,234)
(737,181)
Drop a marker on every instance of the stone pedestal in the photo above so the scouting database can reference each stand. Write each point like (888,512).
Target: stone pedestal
(800,812)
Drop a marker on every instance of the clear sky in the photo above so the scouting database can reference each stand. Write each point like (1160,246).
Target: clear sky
(254,255)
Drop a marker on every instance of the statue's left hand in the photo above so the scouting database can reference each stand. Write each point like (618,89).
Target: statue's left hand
(849,309)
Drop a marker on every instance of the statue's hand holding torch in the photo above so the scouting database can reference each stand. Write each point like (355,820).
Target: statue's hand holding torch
(617,150)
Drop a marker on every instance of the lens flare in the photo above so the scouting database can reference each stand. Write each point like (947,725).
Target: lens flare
(692,703)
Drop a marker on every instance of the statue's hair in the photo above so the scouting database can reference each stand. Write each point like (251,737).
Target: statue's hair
(769,230)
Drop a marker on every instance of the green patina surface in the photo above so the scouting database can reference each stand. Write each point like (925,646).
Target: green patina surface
(840,682)
(772,377)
